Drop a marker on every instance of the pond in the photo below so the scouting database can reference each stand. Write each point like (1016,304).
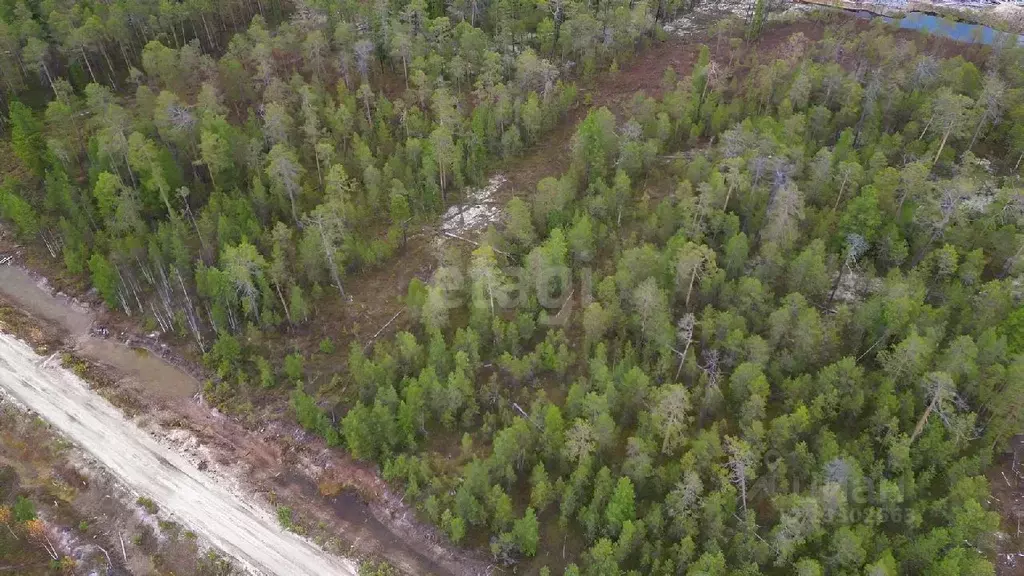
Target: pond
(960,31)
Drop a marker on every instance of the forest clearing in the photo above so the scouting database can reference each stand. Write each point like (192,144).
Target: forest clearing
(512,287)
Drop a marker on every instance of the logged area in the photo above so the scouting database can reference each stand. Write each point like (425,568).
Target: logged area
(557,287)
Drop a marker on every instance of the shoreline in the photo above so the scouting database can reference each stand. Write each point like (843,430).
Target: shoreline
(976,14)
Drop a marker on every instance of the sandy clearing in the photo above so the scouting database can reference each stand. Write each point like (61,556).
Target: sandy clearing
(477,210)
(235,525)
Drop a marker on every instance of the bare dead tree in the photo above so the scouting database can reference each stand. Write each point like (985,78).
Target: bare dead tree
(363,50)
(684,335)
(712,389)
(147,274)
(190,314)
(945,403)
(329,228)
(991,103)
(741,466)
(856,245)
(54,243)
(165,295)
(945,208)
(183,193)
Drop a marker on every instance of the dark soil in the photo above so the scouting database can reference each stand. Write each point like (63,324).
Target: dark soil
(1006,481)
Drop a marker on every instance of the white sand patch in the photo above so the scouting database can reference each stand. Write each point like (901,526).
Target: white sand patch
(199,455)
(794,10)
(737,7)
(681,26)
(479,209)
(1010,13)
(699,20)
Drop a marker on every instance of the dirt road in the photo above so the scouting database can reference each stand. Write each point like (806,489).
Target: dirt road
(236,526)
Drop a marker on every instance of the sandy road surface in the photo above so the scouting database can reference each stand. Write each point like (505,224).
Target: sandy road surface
(236,526)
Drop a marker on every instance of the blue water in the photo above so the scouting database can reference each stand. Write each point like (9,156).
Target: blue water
(960,31)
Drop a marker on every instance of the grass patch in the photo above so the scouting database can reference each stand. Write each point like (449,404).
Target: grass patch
(148,504)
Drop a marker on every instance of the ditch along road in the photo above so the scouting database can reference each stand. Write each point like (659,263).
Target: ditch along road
(228,521)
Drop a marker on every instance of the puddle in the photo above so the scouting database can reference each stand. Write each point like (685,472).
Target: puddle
(939,26)
(140,367)
(33,295)
(143,370)
(929,23)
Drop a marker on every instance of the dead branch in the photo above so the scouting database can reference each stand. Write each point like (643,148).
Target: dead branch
(872,347)
(526,416)
(104,550)
(382,328)
(560,316)
(684,333)
(50,548)
(924,417)
(46,363)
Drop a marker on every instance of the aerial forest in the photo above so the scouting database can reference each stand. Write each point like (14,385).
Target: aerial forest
(764,318)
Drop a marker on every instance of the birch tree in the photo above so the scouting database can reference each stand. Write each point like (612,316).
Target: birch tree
(742,465)
(37,53)
(487,279)
(785,211)
(330,220)
(693,262)
(245,268)
(285,175)
(444,154)
(277,124)
(945,404)
(214,153)
(989,105)
(282,252)
(651,313)
(671,416)
(950,114)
